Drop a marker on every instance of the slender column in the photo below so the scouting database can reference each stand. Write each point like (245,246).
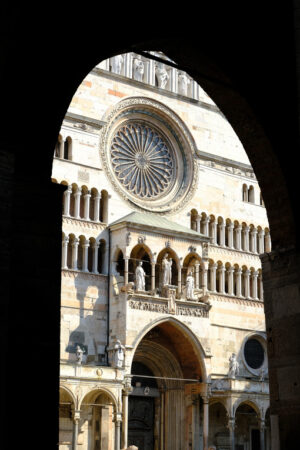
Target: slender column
(128,65)
(204,276)
(238,282)
(206,226)
(67,197)
(75,254)
(85,248)
(254,276)
(125,271)
(205,423)
(238,237)
(151,72)
(152,276)
(87,198)
(95,248)
(268,246)
(213,230)
(117,434)
(261,242)
(97,207)
(261,288)
(197,275)
(213,269)
(61,148)
(162,418)
(64,253)
(173,76)
(76,419)
(247,283)
(246,239)
(230,228)
(231,425)
(77,196)
(221,271)
(262,434)
(125,421)
(254,240)
(198,227)
(230,271)
(222,234)
(179,281)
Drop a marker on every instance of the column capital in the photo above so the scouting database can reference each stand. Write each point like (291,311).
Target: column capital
(206,219)
(254,231)
(87,194)
(75,242)
(246,229)
(247,273)
(254,274)
(69,189)
(230,226)
(76,415)
(230,269)
(239,271)
(231,423)
(221,269)
(214,266)
(95,244)
(78,191)
(261,233)
(65,239)
(238,228)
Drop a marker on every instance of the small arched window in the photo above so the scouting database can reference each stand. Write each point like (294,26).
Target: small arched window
(251,197)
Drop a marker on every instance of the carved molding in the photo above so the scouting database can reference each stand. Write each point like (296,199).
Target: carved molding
(163,308)
(237,300)
(69,273)
(84,223)
(153,112)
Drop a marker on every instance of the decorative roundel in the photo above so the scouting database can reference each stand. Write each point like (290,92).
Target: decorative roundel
(141,160)
(148,155)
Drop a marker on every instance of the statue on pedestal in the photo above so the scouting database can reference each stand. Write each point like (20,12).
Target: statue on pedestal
(190,284)
(233,366)
(139,277)
(79,353)
(118,357)
(167,270)
(162,75)
(183,82)
(138,69)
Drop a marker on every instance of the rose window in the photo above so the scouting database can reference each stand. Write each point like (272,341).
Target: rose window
(142,161)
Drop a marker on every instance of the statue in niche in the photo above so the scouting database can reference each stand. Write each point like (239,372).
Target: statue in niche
(139,277)
(118,358)
(167,270)
(190,284)
(183,82)
(79,354)
(162,75)
(233,366)
(116,64)
(138,69)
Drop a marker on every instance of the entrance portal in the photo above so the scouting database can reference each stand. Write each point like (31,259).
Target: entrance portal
(162,412)
(141,408)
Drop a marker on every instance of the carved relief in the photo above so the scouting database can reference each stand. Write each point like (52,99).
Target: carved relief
(148,306)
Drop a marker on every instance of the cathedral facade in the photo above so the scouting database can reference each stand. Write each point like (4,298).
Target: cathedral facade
(163,342)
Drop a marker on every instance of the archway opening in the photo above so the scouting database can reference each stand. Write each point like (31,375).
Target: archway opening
(165,366)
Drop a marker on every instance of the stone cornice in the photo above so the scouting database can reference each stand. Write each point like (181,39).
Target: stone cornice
(218,162)
(70,273)
(145,86)
(82,223)
(83,123)
(238,300)
(232,252)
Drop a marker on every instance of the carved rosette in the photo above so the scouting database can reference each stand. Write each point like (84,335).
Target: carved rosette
(148,155)
(141,160)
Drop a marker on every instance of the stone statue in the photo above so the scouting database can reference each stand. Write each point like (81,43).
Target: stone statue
(190,286)
(167,270)
(138,69)
(116,64)
(140,277)
(162,75)
(183,82)
(79,354)
(233,366)
(118,357)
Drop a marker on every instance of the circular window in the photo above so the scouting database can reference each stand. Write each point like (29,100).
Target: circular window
(149,155)
(254,353)
(142,161)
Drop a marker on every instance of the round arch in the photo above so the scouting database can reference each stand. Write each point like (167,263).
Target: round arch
(185,331)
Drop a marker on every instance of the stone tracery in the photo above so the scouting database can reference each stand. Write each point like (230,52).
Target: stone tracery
(141,160)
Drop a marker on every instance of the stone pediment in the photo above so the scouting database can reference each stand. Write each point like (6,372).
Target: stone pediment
(158,225)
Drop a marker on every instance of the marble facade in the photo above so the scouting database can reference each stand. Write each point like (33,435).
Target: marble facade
(154,172)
